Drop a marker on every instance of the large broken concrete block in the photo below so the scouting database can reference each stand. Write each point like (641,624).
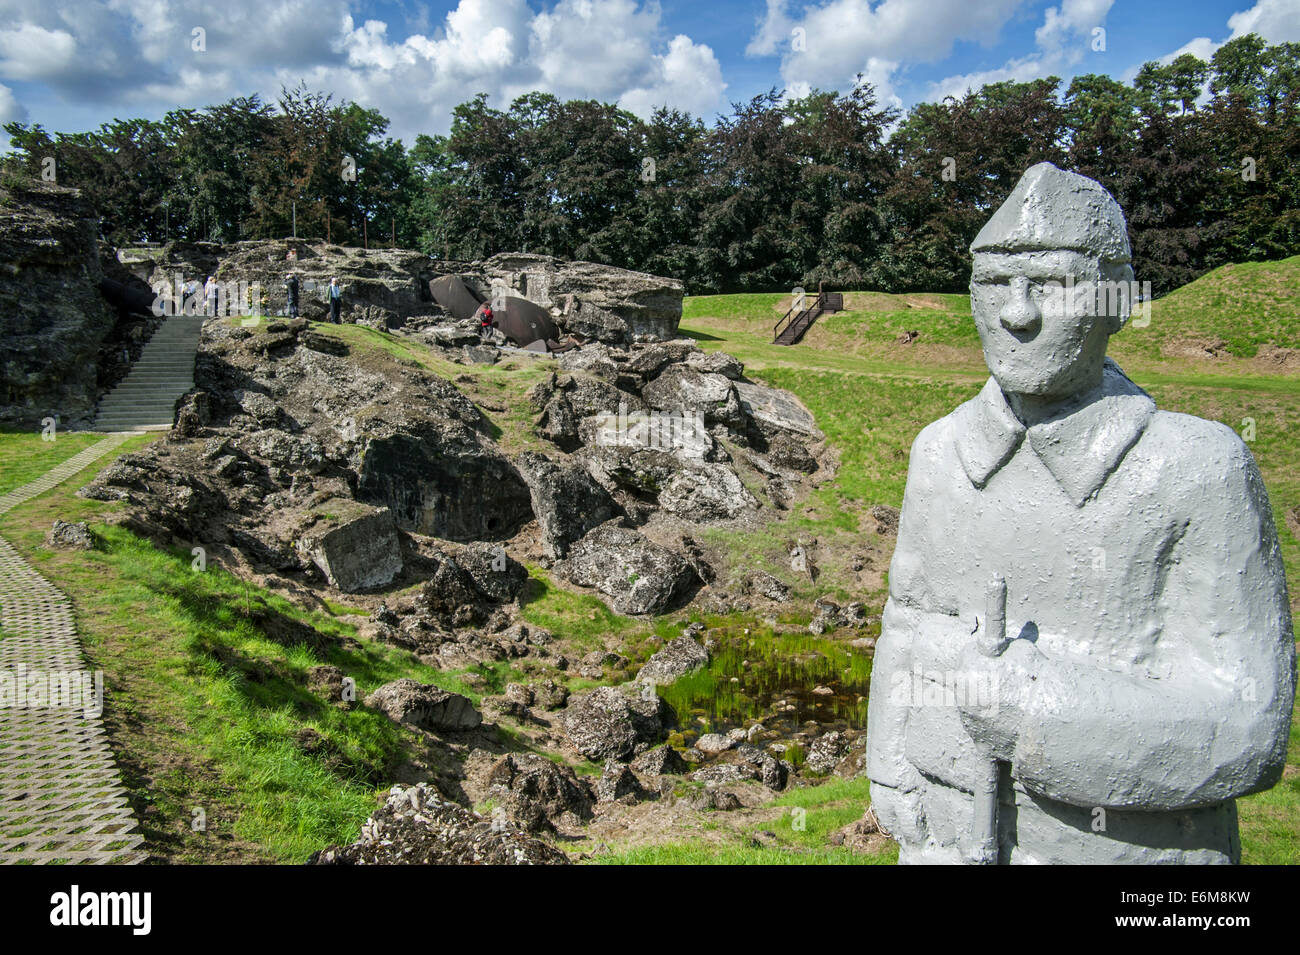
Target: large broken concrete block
(774,410)
(608,303)
(355,546)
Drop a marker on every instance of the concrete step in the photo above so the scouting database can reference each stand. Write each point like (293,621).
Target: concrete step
(120,421)
(134,401)
(148,417)
(146,397)
(147,391)
(138,402)
(155,381)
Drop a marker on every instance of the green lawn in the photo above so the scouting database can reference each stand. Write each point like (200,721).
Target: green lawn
(25,456)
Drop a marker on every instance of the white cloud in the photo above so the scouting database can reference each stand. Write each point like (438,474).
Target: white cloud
(1277,21)
(139,52)
(32,52)
(773,31)
(11,110)
(1067,29)
(832,42)
(1064,39)
(688,77)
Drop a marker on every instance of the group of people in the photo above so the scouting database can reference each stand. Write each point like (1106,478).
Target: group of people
(334,296)
(210,293)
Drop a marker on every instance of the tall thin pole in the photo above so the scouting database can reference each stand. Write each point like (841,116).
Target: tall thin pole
(394,232)
(365,231)
(295,220)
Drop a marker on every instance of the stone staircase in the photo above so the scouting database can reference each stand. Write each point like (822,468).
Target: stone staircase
(145,398)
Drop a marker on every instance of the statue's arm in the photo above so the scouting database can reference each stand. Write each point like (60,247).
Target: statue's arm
(1215,725)
(895,782)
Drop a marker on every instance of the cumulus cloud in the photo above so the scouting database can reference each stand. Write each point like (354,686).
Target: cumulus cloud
(688,77)
(32,52)
(1065,37)
(830,43)
(1276,21)
(147,52)
(11,111)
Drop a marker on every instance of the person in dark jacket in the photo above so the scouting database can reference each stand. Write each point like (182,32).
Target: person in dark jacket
(336,300)
(291,285)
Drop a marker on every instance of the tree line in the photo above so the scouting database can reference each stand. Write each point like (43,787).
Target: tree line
(1203,157)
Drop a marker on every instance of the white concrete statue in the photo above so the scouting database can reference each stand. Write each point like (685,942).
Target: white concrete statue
(1129,555)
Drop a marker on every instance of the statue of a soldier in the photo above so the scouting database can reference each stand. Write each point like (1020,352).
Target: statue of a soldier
(1087,651)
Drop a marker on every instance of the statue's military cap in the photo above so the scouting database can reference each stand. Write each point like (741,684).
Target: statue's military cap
(1054,209)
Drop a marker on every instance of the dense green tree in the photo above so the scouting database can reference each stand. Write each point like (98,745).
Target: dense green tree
(956,161)
(1204,158)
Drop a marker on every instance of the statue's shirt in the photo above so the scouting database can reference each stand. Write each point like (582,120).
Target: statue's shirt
(1141,557)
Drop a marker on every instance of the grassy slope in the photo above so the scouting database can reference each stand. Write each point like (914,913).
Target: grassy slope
(206,695)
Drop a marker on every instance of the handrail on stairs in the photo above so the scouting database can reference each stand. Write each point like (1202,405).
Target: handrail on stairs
(819,305)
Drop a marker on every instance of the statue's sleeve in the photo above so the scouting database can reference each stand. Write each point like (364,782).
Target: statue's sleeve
(1212,721)
(904,618)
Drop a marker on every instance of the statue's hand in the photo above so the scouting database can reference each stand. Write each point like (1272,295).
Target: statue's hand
(900,814)
(997,692)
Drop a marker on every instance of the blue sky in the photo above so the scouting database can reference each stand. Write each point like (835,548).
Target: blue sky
(71,65)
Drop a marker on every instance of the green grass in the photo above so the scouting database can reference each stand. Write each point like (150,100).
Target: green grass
(579,617)
(207,695)
(1243,306)
(25,455)
(1269,820)
(802,830)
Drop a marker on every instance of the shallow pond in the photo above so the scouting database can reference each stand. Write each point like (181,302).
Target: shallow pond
(760,675)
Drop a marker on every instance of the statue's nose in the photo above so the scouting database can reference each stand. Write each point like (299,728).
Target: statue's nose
(1021,314)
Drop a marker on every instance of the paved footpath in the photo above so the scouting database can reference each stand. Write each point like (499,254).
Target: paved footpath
(61,798)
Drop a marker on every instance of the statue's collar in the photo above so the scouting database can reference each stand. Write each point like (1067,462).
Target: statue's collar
(1081,447)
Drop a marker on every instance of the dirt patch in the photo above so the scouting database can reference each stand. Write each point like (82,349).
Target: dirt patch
(1273,359)
(676,819)
(1199,348)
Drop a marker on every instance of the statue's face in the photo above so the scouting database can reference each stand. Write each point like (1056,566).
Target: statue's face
(1039,338)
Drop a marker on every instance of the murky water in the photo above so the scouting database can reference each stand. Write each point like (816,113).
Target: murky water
(784,680)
